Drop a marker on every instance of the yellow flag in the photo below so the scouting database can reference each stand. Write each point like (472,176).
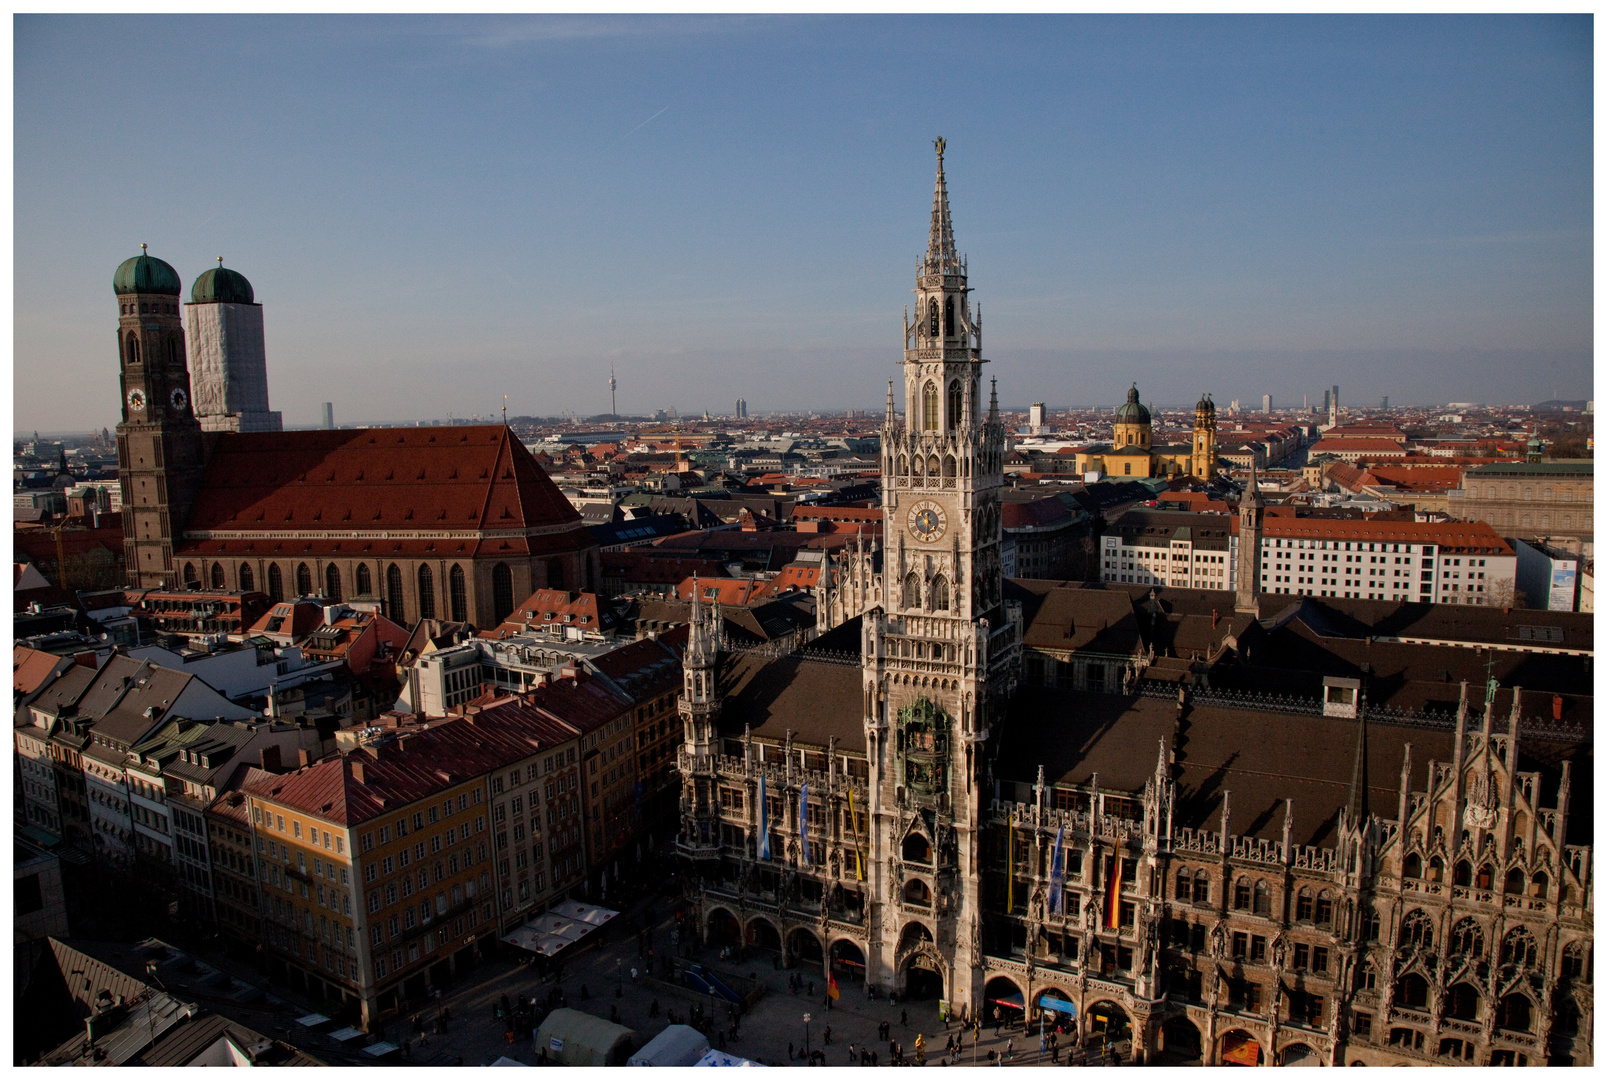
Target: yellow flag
(1010,870)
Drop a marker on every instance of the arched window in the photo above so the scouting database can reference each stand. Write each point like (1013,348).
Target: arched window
(501,591)
(1463,1003)
(940,593)
(931,314)
(1436,865)
(303,580)
(332,582)
(276,583)
(1574,962)
(916,891)
(929,407)
(217,575)
(1516,1013)
(1463,874)
(393,590)
(192,580)
(1411,991)
(1412,866)
(133,349)
(1518,948)
(1185,885)
(457,593)
(248,580)
(912,590)
(1303,906)
(1515,881)
(426,592)
(1263,899)
(917,849)
(1202,888)
(1417,929)
(1539,885)
(1241,895)
(1485,878)
(172,351)
(365,580)
(948,317)
(956,404)
(1467,939)
(1325,908)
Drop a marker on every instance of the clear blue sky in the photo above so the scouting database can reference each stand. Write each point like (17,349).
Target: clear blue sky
(435,212)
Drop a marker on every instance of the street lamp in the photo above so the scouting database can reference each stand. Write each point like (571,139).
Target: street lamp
(806,1036)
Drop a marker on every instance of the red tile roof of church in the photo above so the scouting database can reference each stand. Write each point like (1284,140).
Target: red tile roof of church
(379,481)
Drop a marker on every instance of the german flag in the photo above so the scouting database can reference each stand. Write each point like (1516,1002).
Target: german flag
(1113,893)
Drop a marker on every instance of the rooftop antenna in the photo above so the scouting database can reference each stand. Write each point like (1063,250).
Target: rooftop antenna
(504,410)
(613,400)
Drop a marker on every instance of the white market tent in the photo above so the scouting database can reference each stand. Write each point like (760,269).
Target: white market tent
(572,1037)
(507,1062)
(559,927)
(676,1045)
(721,1059)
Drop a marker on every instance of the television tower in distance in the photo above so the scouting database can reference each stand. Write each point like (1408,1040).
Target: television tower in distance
(613,384)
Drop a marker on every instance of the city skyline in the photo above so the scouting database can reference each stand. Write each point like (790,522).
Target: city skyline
(1239,206)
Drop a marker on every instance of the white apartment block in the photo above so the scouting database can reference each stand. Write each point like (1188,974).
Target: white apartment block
(1426,562)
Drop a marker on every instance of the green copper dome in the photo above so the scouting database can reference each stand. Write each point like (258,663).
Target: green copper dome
(145,274)
(1132,412)
(221,286)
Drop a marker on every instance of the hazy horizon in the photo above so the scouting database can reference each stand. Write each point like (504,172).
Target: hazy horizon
(435,212)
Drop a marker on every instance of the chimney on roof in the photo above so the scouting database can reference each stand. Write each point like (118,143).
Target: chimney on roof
(303,758)
(84,659)
(357,771)
(270,759)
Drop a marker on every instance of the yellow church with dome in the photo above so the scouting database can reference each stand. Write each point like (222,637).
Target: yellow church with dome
(1133,455)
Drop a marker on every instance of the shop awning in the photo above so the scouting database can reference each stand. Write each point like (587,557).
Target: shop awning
(1059,1005)
(1239,1050)
(1009,1001)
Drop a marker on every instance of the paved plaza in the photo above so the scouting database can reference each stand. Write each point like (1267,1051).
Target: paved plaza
(598,981)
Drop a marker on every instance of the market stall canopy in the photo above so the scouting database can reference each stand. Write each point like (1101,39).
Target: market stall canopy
(676,1045)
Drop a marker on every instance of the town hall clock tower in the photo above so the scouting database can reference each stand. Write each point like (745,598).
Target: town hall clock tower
(940,656)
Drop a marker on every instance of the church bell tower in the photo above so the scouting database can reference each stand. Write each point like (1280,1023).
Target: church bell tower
(159,440)
(942,647)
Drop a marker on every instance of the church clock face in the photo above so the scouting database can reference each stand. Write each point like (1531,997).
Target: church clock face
(136,400)
(928,522)
(178,398)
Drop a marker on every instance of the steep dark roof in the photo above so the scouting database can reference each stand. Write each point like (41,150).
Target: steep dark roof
(815,700)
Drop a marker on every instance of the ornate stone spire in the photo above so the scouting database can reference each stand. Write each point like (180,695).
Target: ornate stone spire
(940,251)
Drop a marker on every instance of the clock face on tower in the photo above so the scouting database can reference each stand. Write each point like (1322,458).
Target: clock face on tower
(136,400)
(928,522)
(178,398)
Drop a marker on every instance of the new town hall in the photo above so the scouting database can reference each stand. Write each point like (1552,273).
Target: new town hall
(1288,831)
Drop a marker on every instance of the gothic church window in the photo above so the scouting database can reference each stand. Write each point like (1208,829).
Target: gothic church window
(1417,929)
(332,582)
(133,349)
(940,593)
(365,580)
(248,580)
(1518,947)
(1467,939)
(931,308)
(457,594)
(393,589)
(912,590)
(303,580)
(501,591)
(192,580)
(217,575)
(948,317)
(276,583)
(426,592)
(956,404)
(929,407)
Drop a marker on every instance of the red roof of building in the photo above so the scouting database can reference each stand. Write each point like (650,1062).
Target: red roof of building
(734,592)
(1456,536)
(1417,477)
(555,607)
(796,576)
(378,482)
(30,668)
(1376,447)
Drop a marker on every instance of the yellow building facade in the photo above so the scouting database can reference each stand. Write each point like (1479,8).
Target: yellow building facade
(1133,455)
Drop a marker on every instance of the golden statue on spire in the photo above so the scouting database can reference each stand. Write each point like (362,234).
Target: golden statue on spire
(939,143)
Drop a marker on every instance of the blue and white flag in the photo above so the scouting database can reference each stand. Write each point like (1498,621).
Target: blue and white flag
(803,821)
(764,824)
(1054,873)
